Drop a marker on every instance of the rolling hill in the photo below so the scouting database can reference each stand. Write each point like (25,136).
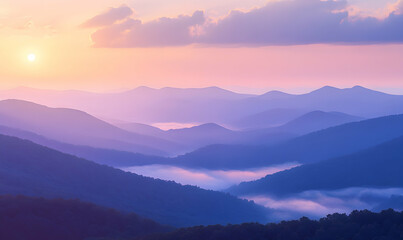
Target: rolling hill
(33,170)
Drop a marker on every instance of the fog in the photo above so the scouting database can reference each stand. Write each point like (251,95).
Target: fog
(316,204)
(208,179)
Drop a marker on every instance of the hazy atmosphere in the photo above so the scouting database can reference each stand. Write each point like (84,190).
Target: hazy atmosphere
(195,120)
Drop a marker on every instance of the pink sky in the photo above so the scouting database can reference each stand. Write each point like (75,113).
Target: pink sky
(66,58)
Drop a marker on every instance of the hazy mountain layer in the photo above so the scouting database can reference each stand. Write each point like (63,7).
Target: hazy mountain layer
(204,105)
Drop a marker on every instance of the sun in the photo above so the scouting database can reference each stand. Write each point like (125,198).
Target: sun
(31,57)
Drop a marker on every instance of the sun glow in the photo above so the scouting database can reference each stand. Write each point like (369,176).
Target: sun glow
(31,57)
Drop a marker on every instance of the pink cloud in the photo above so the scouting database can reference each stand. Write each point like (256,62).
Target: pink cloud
(109,17)
(160,32)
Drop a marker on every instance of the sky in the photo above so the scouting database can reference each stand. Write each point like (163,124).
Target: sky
(246,46)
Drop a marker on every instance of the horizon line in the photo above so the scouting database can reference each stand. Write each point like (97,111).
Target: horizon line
(255,91)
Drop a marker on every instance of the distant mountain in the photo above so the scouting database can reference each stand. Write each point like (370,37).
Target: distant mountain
(30,169)
(77,127)
(321,145)
(204,105)
(202,135)
(45,219)
(275,95)
(201,129)
(317,120)
(377,167)
(357,101)
(269,118)
(142,104)
(141,129)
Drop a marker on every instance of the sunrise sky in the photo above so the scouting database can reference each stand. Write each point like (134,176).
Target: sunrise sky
(246,46)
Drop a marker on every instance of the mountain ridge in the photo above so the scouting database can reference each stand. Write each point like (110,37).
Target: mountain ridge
(197,105)
(376,167)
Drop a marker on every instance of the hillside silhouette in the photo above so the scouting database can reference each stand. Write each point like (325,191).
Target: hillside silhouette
(49,219)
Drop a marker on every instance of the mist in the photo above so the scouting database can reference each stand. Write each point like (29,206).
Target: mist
(207,179)
(319,203)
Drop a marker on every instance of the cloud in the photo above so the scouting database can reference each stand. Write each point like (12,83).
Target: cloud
(303,22)
(109,17)
(161,32)
(287,22)
(279,23)
(396,8)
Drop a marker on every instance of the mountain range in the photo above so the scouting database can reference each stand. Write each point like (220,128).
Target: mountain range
(205,105)
(80,128)
(313,147)
(112,155)
(339,138)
